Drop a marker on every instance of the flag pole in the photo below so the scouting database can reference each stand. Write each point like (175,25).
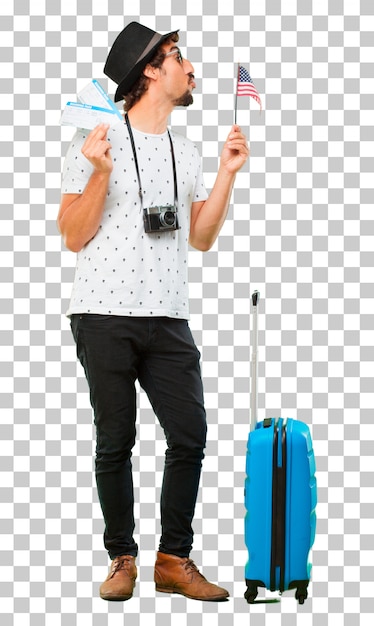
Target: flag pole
(236,93)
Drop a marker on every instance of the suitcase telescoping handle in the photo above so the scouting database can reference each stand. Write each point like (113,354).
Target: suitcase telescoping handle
(254,361)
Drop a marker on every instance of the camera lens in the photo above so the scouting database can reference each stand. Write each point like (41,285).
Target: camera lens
(167,218)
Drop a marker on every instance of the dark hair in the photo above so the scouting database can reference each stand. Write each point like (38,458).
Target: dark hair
(141,85)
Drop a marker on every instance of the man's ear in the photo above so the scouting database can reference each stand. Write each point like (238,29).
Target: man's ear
(151,72)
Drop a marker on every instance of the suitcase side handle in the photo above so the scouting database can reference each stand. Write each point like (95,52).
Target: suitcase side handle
(254,362)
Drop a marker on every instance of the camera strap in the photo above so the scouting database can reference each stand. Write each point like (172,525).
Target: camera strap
(137,165)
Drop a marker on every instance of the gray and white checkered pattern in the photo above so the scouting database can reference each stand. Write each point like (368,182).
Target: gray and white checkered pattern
(300,229)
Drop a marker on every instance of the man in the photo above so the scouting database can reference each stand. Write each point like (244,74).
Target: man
(133,198)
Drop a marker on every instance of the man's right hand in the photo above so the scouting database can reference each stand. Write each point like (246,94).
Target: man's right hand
(80,213)
(97,148)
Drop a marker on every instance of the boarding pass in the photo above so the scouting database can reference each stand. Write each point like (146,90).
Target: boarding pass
(87,116)
(94,94)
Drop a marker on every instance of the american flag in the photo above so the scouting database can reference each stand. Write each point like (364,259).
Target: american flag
(246,87)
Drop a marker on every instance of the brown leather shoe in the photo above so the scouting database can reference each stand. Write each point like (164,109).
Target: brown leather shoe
(180,575)
(120,582)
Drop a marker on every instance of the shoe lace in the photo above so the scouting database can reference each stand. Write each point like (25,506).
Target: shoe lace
(121,562)
(190,566)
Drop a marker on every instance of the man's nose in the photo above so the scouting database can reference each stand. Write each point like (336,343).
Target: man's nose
(188,67)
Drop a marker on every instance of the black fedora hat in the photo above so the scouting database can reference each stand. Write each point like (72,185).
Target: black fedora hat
(130,53)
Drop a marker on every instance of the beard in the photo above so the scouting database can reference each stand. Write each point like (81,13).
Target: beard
(184,100)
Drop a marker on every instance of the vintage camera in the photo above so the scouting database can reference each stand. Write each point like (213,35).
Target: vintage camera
(160,218)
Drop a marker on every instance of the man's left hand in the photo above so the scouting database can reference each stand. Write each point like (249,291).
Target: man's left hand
(235,151)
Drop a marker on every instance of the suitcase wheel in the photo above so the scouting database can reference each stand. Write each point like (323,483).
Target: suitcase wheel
(251,594)
(301,587)
(301,595)
(251,597)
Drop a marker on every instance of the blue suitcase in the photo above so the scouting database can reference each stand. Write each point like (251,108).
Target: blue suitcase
(280,498)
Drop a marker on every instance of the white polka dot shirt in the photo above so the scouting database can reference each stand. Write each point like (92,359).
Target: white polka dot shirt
(123,270)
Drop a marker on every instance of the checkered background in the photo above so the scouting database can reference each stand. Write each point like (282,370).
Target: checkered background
(300,230)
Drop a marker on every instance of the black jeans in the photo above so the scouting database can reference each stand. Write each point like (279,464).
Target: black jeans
(161,354)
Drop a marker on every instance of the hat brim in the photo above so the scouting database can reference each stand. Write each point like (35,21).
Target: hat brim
(132,76)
